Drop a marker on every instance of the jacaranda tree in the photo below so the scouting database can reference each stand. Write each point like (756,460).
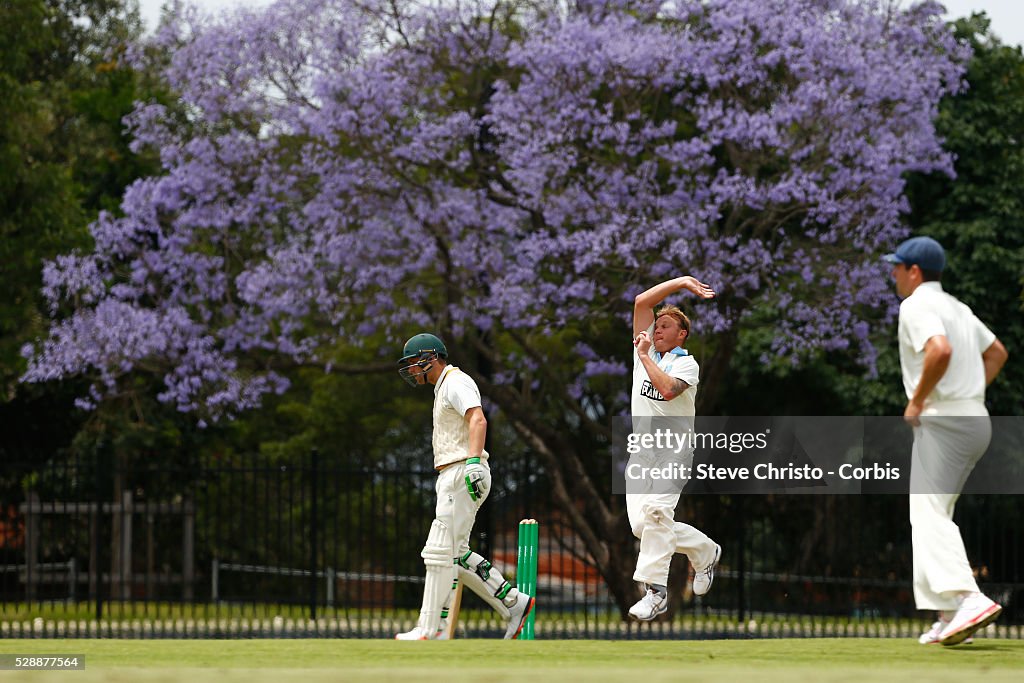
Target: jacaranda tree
(508,174)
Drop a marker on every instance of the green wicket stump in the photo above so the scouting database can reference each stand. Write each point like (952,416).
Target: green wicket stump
(526,568)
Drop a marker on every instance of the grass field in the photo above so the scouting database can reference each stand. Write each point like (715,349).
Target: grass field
(320,661)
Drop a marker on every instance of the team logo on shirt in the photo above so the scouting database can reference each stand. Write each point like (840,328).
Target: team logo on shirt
(649,391)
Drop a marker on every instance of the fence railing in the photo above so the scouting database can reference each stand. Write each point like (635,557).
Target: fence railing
(257,546)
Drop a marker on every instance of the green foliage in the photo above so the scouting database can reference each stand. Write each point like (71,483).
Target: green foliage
(979,216)
(39,212)
(64,90)
(353,417)
(827,384)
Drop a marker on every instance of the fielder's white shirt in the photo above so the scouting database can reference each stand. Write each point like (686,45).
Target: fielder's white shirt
(454,394)
(647,401)
(929,312)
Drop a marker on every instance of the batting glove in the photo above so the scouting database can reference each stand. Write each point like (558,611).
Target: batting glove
(476,481)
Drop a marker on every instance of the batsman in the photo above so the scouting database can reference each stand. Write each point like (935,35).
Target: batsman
(463,482)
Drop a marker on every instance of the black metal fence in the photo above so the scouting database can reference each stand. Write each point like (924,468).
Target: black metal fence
(261,547)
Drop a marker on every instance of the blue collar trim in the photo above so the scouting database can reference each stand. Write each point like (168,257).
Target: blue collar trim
(678,351)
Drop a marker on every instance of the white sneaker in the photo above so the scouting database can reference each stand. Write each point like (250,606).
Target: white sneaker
(649,606)
(931,636)
(415,634)
(976,611)
(518,613)
(703,578)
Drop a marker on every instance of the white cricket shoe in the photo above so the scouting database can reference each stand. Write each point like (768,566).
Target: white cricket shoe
(518,613)
(931,636)
(703,578)
(416,633)
(442,630)
(649,606)
(976,611)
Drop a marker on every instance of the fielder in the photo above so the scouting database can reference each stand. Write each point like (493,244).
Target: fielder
(463,482)
(665,381)
(948,357)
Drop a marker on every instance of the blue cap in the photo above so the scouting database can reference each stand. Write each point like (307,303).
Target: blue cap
(923,252)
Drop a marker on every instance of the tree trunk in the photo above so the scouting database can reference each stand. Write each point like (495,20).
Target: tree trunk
(716,370)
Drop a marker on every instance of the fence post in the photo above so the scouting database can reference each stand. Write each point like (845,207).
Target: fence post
(94,549)
(741,570)
(95,566)
(331,580)
(314,460)
(32,519)
(126,544)
(188,569)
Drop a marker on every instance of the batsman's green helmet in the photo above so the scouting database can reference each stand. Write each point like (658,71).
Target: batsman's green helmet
(418,357)
(422,344)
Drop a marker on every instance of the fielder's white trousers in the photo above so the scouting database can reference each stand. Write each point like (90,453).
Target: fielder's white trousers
(951,439)
(652,518)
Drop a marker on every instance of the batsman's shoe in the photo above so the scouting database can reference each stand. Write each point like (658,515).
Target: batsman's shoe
(976,611)
(703,578)
(518,613)
(442,630)
(649,606)
(415,634)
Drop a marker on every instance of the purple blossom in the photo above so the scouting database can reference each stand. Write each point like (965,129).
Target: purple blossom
(353,168)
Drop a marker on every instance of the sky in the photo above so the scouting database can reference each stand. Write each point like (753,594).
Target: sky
(1007,15)
(150,9)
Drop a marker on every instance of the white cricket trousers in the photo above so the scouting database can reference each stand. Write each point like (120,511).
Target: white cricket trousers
(652,518)
(951,439)
(454,514)
(455,508)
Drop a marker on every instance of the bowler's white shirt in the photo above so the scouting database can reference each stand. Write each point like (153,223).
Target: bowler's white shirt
(929,312)
(454,394)
(647,401)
